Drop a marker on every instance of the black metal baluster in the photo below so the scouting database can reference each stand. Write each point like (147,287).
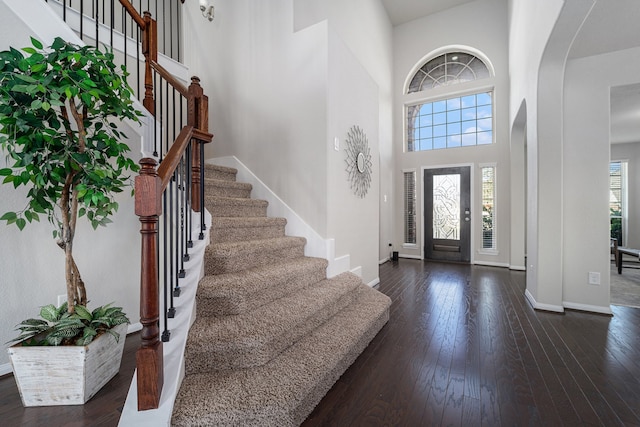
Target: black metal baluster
(203,226)
(161,120)
(189,223)
(138,62)
(172,271)
(112,9)
(155,123)
(166,334)
(97,19)
(81,20)
(124,34)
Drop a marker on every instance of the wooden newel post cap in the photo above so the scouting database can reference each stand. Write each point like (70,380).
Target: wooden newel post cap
(148,166)
(195,80)
(146,14)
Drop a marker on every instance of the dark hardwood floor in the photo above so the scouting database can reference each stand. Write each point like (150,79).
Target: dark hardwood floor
(462,348)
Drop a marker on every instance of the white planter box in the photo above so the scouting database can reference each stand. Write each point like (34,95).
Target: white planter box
(66,375)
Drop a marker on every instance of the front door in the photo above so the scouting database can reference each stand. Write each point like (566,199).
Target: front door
(447,216)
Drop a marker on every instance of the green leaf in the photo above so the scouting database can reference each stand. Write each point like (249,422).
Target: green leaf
(49,312)
(5,172)
(9,216)
(83,312)
(21,223)
(36,43)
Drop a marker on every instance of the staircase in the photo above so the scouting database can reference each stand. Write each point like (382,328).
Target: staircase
(272,333)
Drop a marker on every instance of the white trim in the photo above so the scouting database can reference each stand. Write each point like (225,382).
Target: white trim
(357,271)
(492,264)
(134,327)
(5,369)
(589,308)
(382,261)
(375,282)
(518,267)
(539,306)
(317,246)
(410,256)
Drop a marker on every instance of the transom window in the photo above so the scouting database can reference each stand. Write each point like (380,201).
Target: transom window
(452,67)
(458,121)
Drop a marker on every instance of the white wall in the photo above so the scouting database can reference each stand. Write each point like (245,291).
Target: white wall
(525,55)
(480,25)
(586,171)
(267,96)
(352,220)
(631,153)
(268,74)
(31,264)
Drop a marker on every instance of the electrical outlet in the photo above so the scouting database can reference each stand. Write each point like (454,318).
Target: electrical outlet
(62,299)
(594,278)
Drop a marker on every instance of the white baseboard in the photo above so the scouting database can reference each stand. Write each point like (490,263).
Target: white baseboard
(586,307)
(317,246)
(5,369)
(375,282)
(518,267)
(410,256)
(492,264)
(539,306)
(382,261)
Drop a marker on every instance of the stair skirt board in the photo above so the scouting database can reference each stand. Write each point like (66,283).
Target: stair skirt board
(272,333)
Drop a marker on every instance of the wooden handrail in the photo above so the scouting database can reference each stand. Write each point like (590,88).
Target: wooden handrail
(181,88)
(149,187)
(134,13)
(172,159)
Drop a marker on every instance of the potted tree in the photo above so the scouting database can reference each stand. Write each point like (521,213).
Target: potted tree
(59,114)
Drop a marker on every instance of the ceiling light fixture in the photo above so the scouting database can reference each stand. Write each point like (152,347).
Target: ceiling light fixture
(208,11)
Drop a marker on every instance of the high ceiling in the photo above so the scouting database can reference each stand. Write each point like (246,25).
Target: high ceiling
(401,11)
(612,25)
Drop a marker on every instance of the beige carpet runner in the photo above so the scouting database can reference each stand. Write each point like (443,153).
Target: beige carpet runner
(272,333)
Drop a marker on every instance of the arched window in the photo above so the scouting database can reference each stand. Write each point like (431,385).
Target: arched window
(459,121)
(450,68)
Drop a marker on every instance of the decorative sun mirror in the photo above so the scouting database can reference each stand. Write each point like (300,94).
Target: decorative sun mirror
(358,161)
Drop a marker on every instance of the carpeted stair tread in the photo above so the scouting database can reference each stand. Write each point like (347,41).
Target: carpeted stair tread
(235,206)
(225,188)
(235,293)
(254,338)
(229,229)
(285,390)
(228,257)
(220,172)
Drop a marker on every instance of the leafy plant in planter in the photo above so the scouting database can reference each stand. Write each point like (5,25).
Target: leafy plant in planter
(58,114)
(59,327)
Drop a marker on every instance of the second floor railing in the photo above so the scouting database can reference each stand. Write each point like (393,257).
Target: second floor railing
(168,189)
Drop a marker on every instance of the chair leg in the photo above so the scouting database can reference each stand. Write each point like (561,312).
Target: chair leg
(619,261)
